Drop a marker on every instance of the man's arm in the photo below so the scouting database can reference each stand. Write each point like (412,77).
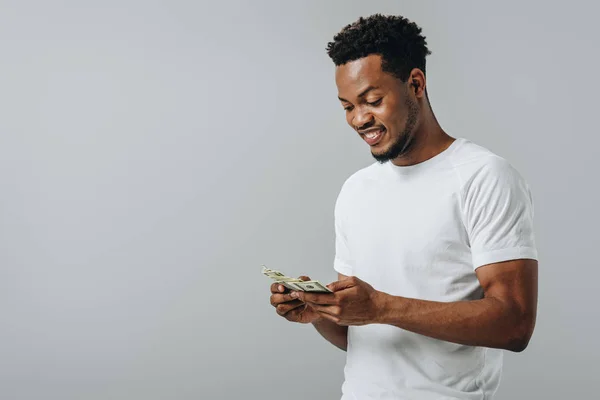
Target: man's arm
(334,333)
(504,318)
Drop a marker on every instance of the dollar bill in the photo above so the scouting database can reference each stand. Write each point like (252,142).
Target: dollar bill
(294,283)
(312,286)
(291,286)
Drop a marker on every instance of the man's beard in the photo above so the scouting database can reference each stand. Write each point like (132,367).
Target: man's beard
(404,142)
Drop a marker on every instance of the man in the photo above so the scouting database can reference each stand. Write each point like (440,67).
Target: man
(435,247)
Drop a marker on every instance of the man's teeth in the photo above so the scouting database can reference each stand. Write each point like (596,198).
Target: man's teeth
(372,135)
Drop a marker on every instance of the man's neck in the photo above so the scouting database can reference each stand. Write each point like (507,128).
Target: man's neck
(430,140)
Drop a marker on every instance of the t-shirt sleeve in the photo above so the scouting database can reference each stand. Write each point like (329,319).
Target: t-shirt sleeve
(342,262)
(498,214)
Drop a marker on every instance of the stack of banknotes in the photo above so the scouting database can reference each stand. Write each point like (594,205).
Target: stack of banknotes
(294,283)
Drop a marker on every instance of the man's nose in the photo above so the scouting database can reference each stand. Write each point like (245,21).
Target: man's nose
(361,118)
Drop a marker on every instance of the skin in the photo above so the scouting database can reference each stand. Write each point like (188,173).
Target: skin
(504,318)
(295,310)
(390,104)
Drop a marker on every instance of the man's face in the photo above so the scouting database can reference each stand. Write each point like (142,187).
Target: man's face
(378,106)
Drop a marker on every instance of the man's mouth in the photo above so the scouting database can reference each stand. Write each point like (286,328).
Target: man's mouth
(373,136)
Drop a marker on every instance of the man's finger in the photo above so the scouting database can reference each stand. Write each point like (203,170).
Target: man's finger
(316,298)
(277,288)
(285,308)
(330,317)
(321,309)
(345,283)
(279,298)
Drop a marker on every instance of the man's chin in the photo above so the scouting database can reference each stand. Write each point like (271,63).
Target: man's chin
(382,156)
(392,151)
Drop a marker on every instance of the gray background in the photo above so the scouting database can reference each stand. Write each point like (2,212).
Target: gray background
(153,156)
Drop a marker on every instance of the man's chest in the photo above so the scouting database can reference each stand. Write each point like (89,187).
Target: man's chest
(409,242)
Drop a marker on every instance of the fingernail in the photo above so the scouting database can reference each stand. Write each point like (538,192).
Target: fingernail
(294,294)
(281,288)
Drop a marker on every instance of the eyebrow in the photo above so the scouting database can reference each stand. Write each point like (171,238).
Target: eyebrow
(362,94)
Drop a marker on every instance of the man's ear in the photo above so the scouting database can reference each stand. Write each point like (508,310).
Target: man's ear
(417,82)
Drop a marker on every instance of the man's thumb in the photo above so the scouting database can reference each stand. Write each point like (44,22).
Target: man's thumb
(342,284)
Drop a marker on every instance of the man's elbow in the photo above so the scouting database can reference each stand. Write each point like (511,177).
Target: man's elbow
(521,334)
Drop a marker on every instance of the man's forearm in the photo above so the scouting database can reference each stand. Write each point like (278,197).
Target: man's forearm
(488,322)
(335,334)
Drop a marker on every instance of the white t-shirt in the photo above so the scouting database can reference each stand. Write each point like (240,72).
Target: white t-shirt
(420,232)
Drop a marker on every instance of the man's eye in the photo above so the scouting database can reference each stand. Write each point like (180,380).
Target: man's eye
(375,103)
(348,108)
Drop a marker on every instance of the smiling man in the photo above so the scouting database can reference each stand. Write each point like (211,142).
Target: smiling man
(435,247)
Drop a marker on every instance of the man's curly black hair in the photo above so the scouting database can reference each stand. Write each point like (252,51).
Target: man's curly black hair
(395,38)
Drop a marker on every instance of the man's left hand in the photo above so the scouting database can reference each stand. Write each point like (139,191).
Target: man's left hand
(353,302)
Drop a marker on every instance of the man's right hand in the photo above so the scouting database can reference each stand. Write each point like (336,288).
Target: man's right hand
(289,308)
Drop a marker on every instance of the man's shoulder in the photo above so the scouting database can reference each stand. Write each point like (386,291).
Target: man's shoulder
(479,167)
(472,160)
(469,153)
